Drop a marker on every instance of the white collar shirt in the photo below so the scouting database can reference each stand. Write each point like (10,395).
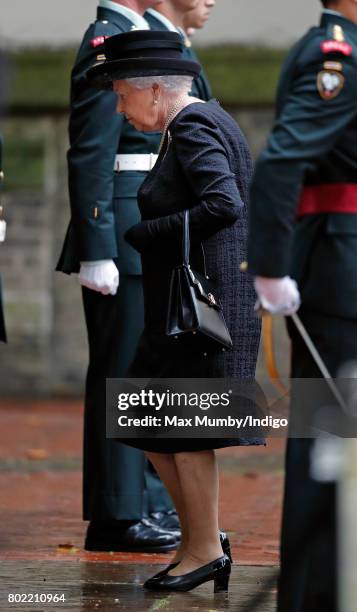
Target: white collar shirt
(331,12)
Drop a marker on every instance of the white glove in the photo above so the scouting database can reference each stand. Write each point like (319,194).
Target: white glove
(278,295)
(101,276)
(2,230)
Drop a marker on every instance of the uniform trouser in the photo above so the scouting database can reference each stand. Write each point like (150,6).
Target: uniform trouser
(308,580)
(118,482)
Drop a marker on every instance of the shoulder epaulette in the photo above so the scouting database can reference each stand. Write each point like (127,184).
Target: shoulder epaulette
(336,41)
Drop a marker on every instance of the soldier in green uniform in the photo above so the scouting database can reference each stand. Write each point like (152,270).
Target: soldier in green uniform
(120,489)
(170,15)
(2,238)
(303,242)
(198,17)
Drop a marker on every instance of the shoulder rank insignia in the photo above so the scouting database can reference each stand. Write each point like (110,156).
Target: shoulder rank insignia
(333,66)
(329,84)
(335,46)
(338,33)
(98,40)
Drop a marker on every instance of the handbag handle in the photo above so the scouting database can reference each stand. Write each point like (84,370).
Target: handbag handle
(186,245)
(186,238)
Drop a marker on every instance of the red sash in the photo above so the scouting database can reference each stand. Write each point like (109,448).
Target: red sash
(328,198)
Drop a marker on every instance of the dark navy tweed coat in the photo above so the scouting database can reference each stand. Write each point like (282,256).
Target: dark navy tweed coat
(204,166)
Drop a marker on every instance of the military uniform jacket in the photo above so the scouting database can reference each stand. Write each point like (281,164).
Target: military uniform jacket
(201,87)
(103,203)
(303,214)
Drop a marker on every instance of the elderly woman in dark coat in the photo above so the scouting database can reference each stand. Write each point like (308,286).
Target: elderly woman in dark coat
(204,165)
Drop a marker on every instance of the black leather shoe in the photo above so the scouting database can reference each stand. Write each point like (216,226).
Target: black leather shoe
(123,536)
(159,575)
(168,521)
(226,547)
(219,571)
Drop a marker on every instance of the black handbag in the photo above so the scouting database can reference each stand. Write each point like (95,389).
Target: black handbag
(195,315)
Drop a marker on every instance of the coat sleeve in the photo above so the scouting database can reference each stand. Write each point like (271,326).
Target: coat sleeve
(204,160)
(307,130)
(94,130)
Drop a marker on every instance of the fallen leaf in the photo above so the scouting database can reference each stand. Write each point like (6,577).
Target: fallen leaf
(37,454)
(67,548)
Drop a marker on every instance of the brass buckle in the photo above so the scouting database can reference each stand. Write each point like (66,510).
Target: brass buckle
(211,299)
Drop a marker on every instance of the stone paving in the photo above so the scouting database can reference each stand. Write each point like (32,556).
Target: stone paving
(42,531)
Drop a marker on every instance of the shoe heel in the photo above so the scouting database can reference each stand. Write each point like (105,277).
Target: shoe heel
(221,582)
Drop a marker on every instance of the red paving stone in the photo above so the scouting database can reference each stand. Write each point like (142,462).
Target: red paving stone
(41,499)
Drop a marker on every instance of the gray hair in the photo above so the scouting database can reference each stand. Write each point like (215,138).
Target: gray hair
(171,83)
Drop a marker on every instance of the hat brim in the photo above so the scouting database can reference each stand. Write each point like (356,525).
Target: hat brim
(103,74)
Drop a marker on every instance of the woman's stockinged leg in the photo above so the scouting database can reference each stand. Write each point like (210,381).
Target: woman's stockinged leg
(166,468)
(199,486)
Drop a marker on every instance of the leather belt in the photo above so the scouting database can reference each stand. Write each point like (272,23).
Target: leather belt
(140,162)
(328,198)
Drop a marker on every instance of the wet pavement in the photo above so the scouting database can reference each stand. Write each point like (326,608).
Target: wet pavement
(42,532)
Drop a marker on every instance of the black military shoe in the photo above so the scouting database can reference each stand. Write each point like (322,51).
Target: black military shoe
(128,536)
(168,521)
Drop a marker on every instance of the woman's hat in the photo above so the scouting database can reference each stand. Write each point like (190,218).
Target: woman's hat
(141,53)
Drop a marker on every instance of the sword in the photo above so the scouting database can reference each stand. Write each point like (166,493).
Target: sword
(319,361)
(314,354)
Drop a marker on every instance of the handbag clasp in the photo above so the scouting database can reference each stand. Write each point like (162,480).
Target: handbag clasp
(211,299)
